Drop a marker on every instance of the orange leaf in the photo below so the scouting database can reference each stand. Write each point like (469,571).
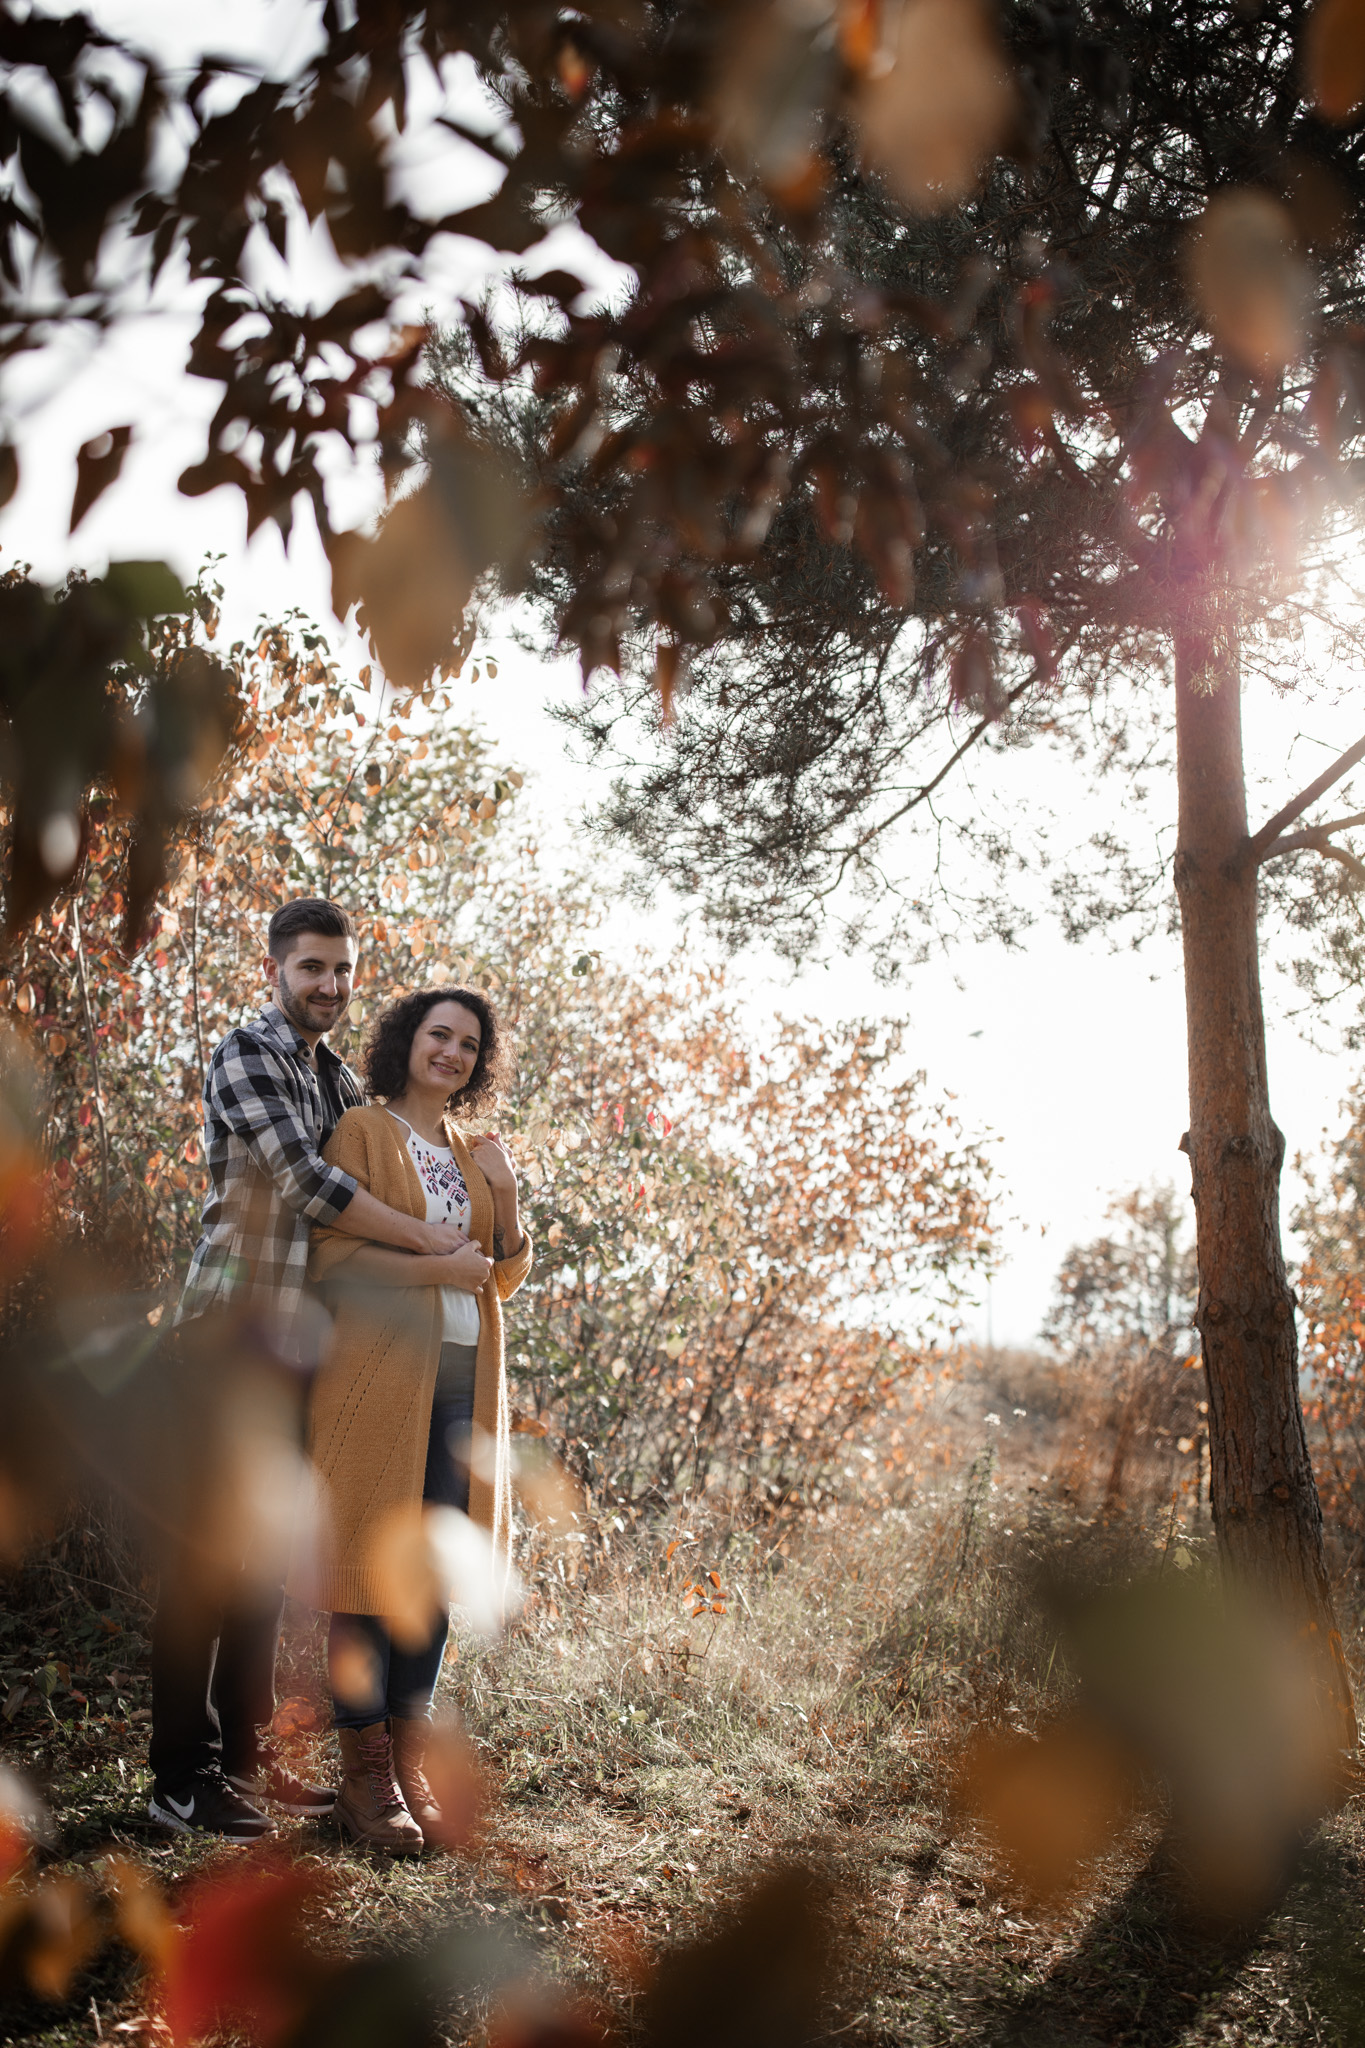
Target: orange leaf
(242,1955)
(714,1577)
(141,1914)
(15,1845)
(1249,285)
(63,1934)
(458,1785)
(1051,1805)
(668,1554)
(1334,58)
(932,120)
(296,1716)
(859,33)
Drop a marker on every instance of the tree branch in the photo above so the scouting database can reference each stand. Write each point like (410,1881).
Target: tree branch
(921,795)
(93,1048)
(1259,846)
(1315,840)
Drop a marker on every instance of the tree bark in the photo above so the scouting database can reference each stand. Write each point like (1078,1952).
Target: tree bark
(1261,1487)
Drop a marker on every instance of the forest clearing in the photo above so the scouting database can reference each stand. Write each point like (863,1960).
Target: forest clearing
(646,1773)
(516,1529)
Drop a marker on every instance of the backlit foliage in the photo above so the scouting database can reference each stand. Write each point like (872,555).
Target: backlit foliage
(1331,1291)
(745,1233)
(321,792)
(749,1247)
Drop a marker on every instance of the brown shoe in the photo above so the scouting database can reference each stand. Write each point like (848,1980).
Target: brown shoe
(370,1807)
(410,1740)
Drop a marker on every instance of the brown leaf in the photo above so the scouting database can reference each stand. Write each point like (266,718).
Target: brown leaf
(411,582)
(63,1933)
(773,72)
(1037,637)
(933,119)
(758,1977)
(458,1784)
(414,579)
(1248,283)
(1334,58)
(9,472)
(97,465)
(547,1490)
(1051,1805)
(973,682)
(666,660)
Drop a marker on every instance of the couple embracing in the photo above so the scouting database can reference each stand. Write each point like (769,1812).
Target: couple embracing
(370,1195)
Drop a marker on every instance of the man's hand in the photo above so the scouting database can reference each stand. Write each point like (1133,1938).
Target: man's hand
(466,1268)
(438,1239)
(495,1163)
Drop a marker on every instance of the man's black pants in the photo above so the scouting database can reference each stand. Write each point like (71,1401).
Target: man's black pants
(213,1680)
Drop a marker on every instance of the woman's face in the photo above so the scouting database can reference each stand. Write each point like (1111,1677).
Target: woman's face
(445,1046)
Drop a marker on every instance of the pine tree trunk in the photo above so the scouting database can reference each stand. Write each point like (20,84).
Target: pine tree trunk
(1261,1486)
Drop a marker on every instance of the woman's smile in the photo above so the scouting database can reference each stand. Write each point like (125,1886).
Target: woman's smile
(445,1048)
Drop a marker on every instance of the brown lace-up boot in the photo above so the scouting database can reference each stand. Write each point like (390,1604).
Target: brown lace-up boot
(370,1806)
(409,1763)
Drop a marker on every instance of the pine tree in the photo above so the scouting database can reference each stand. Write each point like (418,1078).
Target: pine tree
(1151,417)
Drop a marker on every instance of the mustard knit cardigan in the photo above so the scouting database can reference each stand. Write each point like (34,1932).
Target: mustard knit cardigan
(371,1406)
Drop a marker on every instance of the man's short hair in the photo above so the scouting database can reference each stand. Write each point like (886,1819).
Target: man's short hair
(307,914)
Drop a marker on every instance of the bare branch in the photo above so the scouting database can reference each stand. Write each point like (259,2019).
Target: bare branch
(1314,840)
(1344,824)
(1263,841)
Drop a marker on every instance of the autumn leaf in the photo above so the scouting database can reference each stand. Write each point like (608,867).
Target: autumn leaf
(413,580)
(772,74)
(942,108)
(243,1954)
(458,1782)
(1249,285)
(62,1934)
(667,660)
(1334,58)
(98,463)
(1050,1805)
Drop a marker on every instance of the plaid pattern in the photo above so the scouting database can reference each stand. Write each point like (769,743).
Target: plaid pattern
(265,1123)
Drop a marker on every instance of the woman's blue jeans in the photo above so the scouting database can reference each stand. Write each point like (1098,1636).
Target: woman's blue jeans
(403,1682)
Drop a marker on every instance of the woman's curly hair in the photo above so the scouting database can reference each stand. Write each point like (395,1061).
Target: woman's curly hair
(384,1061)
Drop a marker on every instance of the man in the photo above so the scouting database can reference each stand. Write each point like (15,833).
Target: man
(272,1095)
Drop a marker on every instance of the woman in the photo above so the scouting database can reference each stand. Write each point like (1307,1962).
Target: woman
(414,1372)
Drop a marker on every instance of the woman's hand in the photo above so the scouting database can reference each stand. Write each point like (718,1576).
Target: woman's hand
(466,1267)
(438,1240)
(495,1164)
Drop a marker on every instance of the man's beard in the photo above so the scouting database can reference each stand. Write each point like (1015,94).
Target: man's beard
(296,1008)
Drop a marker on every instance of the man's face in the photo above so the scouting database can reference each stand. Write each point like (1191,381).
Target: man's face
(312,984)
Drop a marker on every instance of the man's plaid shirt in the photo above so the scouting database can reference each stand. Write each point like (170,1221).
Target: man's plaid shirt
(266,1120)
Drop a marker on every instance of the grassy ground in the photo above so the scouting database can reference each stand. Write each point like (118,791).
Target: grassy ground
(647,1763)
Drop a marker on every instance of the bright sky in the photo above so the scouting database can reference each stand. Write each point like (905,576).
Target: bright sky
(1072,1057)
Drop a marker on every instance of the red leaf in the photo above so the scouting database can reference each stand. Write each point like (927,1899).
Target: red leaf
(242,1955)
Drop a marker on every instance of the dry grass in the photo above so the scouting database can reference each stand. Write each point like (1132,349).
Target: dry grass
(646,1762)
